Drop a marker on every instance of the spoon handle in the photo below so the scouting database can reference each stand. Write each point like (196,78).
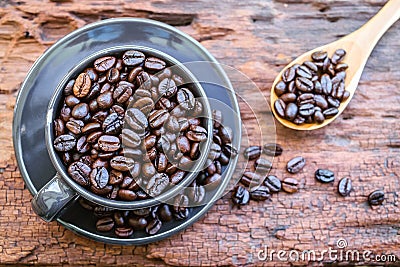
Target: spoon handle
(369,34)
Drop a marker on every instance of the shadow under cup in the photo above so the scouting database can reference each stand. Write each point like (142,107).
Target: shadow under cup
(57,193)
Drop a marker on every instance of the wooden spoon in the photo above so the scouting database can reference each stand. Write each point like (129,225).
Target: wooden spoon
(358,46)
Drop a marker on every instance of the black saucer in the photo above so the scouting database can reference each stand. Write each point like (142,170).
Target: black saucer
(41,81)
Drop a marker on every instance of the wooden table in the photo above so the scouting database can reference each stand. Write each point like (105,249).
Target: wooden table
(258,38)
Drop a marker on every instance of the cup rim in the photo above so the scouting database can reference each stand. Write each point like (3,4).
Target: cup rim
(87,194)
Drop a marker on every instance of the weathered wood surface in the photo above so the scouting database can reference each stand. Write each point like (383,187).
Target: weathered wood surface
(257,37)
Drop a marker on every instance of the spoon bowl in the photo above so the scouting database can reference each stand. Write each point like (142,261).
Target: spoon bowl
(358,46)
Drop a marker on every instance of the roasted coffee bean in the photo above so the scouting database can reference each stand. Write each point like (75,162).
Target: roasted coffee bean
(133,58)
(164,103)
(226,134)
(304,72)
(82,146)
(101,191)
(252,152)
(288,97)
(105,224)
(376,198)
(338,56)
(289,74)
(185,163)
(303,84)
(196,133)
(251,179)
(320,101)
(224,159)
(346,95)
(341,67)
(306,110)
(280,89)
(99,177)
(127,195)
(272,149)
(263,165)
(157,118)
(273,183)
(296,164)
(100,116)
(330,112)
(136,120)
(64,143)
(68,89)
(185,99)
(305,98)
(260,193)
(240,196)
(150,141)
(104,63)
(113,75)
(92,74)
(93,137)
(122,93)
(59,127)
(105,100)
(280,107)
(167,88)
(148,169)
(79,172)
(91,127)
(143,80)
(291,111)
(324,176)
(119,218)
(164,213)
(311,66)
(71,101)
(145,105)
(130,138)
(82,85)
(153,226)
(319,55)
(290,185)
(180,207)
(212,181)
(183,144)
(138,223)
(154,64)
(123,232)
(344,187)
(229,150)
(157,184)
(121,163)
(319,117)
(109,143)
(194,152)
(333,102)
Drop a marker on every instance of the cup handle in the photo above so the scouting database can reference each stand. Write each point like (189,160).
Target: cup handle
(52,198)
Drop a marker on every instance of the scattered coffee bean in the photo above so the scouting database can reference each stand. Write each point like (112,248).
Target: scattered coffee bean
(273,183)
(252,152)
(344,186)
(290,185)
(240,196)
(376,198)
(272,149)
(296,164)
(324,176)
(260,193)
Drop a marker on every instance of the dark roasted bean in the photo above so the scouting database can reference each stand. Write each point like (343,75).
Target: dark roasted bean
(121,163)
(303,71)
(345,187)
(289,74)
(240,196)
(291,111)
(296,164)
(288,97)
(251,179)
(324,176)
(79,172)
(263,165)
(64,143)
(99,177)
(272,149)
(306,110)
(123,232)
(280,89)
(133,58)
(252,152)
(319,55)
(304,84)
(260,193)
(105,224)
(273,183)
(157,184)
(376,198)
(82,85)
(330,112)
(153,226)
(290,185)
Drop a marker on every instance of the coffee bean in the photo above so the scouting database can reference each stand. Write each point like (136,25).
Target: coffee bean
(240,196)
(260,193)
(251,179)
(330,112)
(130,138)
(143,80)
(306,110)
(145,105)
(109,143)
(196,133)
(289,74)
(82,85)
(344,187)
(167,88)
(82,146)
(333,102)
(133,58)
(290,185)
(319,55)
(273,183)
(263,165)
(154,64)
(127,195)
(185,99)
(211,182)
(104,63)
(272,149)
(291,111)
(376,198)
(99,177)
(79,172)
(229,150)
(123,232)
(72,101)
(338,56)
(64,143)
(122,93)
(113,75)
(153,227)
(311,66)
(324,176)
(280,88)
(304,84)
(252,152)
(157,118)
(68,89)
(319,117)
(280,107)
(304,72)
(157,184)
(121,163)
(136,120)
(296,164)
(288,97)
(105,224)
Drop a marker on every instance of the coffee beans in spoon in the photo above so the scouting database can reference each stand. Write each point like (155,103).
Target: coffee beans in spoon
(312,92)
(128,127)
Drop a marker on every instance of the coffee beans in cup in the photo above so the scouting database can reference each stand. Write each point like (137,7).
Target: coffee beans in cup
(129,127)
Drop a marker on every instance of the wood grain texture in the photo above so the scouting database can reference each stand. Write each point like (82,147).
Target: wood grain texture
(258,38)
